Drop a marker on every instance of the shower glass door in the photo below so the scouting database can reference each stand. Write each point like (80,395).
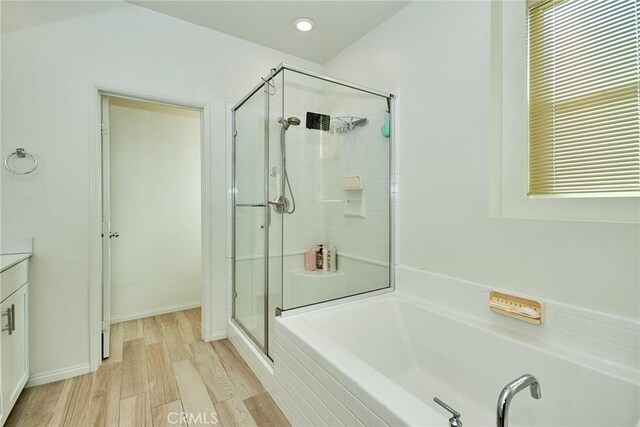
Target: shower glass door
(250,217)
(257,224)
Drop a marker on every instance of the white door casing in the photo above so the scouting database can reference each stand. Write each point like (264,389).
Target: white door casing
(106,230)
(96,244)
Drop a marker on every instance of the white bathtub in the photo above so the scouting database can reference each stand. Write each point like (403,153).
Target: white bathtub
(381,361)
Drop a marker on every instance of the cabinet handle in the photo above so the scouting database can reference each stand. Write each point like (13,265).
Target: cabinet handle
(11,319)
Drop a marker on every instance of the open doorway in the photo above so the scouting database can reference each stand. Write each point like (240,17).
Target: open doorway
(151,210)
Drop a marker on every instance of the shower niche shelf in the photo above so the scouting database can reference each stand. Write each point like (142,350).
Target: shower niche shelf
(354,204)
(355,207)
(353,187)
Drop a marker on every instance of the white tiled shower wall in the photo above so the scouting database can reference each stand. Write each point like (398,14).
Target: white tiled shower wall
(363,152)
(317,162)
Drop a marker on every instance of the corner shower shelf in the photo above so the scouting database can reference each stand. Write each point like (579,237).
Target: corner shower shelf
(317,273)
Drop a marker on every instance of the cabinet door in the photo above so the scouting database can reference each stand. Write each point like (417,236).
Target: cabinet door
(15,362)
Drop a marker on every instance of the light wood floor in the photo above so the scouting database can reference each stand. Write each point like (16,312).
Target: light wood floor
(158,369)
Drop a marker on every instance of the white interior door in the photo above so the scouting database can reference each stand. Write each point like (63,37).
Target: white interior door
(106,231)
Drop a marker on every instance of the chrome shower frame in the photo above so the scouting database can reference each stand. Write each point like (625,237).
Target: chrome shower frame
(267,86)
(284,66)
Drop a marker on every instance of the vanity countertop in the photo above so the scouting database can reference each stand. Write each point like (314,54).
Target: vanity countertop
(8,261)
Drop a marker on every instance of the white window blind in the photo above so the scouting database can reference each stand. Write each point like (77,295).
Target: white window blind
(584,98)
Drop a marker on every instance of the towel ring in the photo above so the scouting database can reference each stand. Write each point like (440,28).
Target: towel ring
(20,153)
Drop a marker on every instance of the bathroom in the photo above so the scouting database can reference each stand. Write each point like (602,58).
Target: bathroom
(412,140)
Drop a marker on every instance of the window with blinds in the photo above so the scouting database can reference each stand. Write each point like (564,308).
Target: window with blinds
(584,98)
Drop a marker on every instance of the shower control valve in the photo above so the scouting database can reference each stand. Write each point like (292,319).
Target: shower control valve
(454,421)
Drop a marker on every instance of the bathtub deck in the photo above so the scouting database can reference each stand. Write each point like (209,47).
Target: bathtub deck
(158,365)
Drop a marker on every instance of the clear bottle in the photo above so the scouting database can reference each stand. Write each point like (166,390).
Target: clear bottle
(332,258)
(325,258)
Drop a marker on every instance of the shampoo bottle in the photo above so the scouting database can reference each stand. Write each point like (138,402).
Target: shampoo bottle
(319,257)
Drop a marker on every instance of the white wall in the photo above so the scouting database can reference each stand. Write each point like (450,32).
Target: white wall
(155,198)
(51,53)
(436,56)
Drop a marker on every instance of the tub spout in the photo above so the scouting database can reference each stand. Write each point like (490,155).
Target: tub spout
(510,390)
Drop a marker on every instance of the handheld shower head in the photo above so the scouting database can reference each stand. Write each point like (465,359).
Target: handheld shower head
(293,121)
(288,122)
(283,206)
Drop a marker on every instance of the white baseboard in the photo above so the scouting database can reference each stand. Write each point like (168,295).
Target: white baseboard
(218,335)
(58,374)
(155,312)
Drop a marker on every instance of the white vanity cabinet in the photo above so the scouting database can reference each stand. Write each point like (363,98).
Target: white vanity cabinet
(14,337)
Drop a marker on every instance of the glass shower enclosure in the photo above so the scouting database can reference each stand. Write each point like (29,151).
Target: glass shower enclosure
(312,195)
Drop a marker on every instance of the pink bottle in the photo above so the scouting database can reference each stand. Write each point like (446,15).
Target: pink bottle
(310,260)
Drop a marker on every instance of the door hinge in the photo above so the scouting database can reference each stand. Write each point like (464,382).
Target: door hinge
(235,294)
(104,129)
(235,133)
(105,325)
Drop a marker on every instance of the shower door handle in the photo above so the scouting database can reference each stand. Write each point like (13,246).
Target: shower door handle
(268,217)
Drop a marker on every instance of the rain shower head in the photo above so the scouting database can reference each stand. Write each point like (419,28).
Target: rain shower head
(288,122)
(346,124)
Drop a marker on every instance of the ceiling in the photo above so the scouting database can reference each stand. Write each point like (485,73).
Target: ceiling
(270,23)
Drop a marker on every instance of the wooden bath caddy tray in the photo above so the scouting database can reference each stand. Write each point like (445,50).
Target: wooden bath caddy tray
(519,308)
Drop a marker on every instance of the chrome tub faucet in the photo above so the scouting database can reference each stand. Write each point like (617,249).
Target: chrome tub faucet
(510,390)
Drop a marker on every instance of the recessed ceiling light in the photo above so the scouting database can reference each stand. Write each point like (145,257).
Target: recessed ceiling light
(304,24)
